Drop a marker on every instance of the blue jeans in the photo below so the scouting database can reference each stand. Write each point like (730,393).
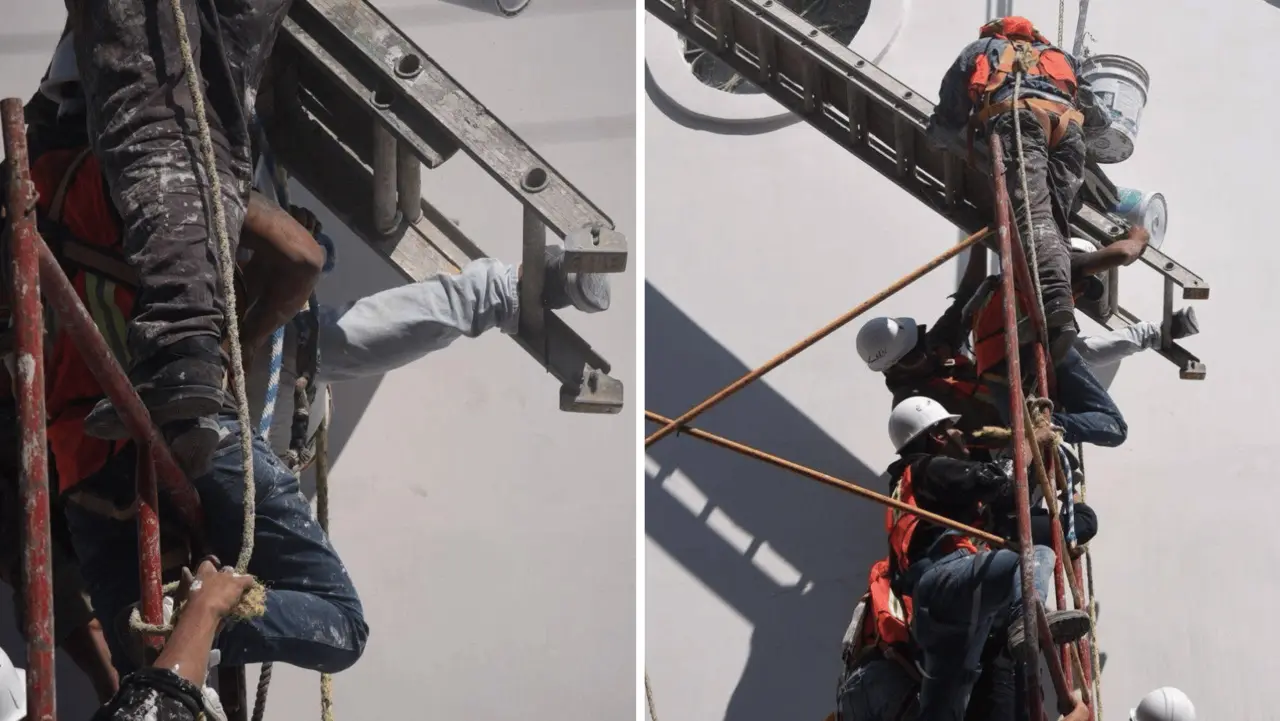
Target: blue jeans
(314,620)
(1086,412)
(957,602)
(877,690)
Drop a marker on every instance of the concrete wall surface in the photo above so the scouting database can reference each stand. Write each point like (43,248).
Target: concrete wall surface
(760,231)
(490,535)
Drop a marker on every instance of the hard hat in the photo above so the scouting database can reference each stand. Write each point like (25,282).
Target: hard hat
(62,71)
(1164,704)
(13,690)
(914,416)
(884,341)
(1082,245)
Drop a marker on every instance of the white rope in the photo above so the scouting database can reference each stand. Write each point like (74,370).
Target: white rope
(1029,243)
(648,695)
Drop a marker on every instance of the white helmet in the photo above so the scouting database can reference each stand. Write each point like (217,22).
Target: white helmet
(914,416)
(883,341)
(1164,704)
(13,690)
(1082,245)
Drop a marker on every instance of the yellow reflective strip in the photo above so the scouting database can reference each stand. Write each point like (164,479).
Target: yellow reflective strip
(102,311)
(120,325)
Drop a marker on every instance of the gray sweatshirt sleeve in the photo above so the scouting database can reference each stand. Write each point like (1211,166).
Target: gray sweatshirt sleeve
(395,327)
(1112,346)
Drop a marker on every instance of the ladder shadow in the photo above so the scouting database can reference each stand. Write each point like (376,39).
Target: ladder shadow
(804,567)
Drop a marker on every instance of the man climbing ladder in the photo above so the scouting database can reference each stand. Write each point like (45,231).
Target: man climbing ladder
(1013,83)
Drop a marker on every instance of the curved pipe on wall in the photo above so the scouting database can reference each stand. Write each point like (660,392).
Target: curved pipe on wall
(673,78)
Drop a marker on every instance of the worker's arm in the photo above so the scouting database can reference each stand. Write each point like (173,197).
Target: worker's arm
(1121,252)
(955,482)
(393,328)
(954,104)
(949,332)
(279,277)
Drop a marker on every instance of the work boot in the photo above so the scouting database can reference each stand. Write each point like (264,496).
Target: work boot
(1066,626)
(587,292)
(1061,325)
(1184,324)
(182,389)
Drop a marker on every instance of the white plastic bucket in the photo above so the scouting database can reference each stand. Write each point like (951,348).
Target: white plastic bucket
(1145,209)
(1120,86)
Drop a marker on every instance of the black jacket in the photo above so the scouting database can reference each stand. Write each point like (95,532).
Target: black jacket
(172,697)
(948,487)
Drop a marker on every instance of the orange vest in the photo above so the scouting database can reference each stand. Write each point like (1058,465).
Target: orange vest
(988,330)
(1019,34)
(84,210)
(889,625)
(902,526)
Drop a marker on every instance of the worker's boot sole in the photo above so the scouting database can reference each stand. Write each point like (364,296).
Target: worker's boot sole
(1184,324)
(1066,626)
(586,292)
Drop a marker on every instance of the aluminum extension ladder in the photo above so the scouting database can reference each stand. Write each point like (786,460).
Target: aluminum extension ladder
(883,122)
(356,109)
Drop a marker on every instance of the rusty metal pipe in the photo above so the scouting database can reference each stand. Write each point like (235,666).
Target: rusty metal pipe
(149,568)
(102,363)
(1017,420)
(29,361)
(832,481)
(818,335)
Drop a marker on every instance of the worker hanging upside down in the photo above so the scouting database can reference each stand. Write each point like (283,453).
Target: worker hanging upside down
(977,97)
(959,592)
(142,123)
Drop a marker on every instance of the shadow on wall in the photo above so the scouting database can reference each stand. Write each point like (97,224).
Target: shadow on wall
(827,538)
(76,699)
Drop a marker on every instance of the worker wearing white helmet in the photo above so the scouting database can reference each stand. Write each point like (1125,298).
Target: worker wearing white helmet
(1164,704)
(960,590)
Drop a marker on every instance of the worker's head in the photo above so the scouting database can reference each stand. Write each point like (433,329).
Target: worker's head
(887,343)
(1164,704)
(922,425)
(13,691)
(1086,287)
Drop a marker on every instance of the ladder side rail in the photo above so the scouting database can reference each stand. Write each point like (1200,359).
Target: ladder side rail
(29,381)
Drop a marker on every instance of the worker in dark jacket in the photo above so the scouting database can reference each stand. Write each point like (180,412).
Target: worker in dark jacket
(960,592)
(142,123)
(977,96)
(172,689)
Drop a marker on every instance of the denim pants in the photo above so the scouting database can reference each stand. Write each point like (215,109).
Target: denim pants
(958,600)
(1085,410)
(877,690)
(314,620)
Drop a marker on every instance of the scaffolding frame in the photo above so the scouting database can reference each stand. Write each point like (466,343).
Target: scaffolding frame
(36,272)
(1016,286)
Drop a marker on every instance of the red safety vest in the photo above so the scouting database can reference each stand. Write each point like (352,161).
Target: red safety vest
(988,329)
(1018,34)
(902,526)
(72,192)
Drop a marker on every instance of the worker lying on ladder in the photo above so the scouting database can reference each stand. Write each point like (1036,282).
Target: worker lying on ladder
(308,587)
(946,594)
(1014,83)
(960,361)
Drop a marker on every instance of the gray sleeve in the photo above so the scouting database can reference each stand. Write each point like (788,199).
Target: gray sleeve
(1113,346)
(395,327)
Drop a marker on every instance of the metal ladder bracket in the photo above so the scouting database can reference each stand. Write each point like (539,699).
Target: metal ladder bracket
(1189,366)
(597,393)
(595,250)
(883,122)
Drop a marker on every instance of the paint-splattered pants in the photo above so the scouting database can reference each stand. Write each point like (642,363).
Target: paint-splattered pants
(1054,177)
(314,618)
(144,133)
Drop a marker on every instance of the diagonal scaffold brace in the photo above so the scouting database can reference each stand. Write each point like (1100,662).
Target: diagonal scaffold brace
(35,272)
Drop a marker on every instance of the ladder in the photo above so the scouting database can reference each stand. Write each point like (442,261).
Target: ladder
(884,123)
(353,109)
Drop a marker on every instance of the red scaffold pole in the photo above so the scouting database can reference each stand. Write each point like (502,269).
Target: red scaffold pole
(29,355)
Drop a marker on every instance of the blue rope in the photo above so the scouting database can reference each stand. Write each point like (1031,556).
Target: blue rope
(1071,503)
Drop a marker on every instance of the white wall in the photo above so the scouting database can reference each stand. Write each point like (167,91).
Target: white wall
(758,238)
(490,535)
